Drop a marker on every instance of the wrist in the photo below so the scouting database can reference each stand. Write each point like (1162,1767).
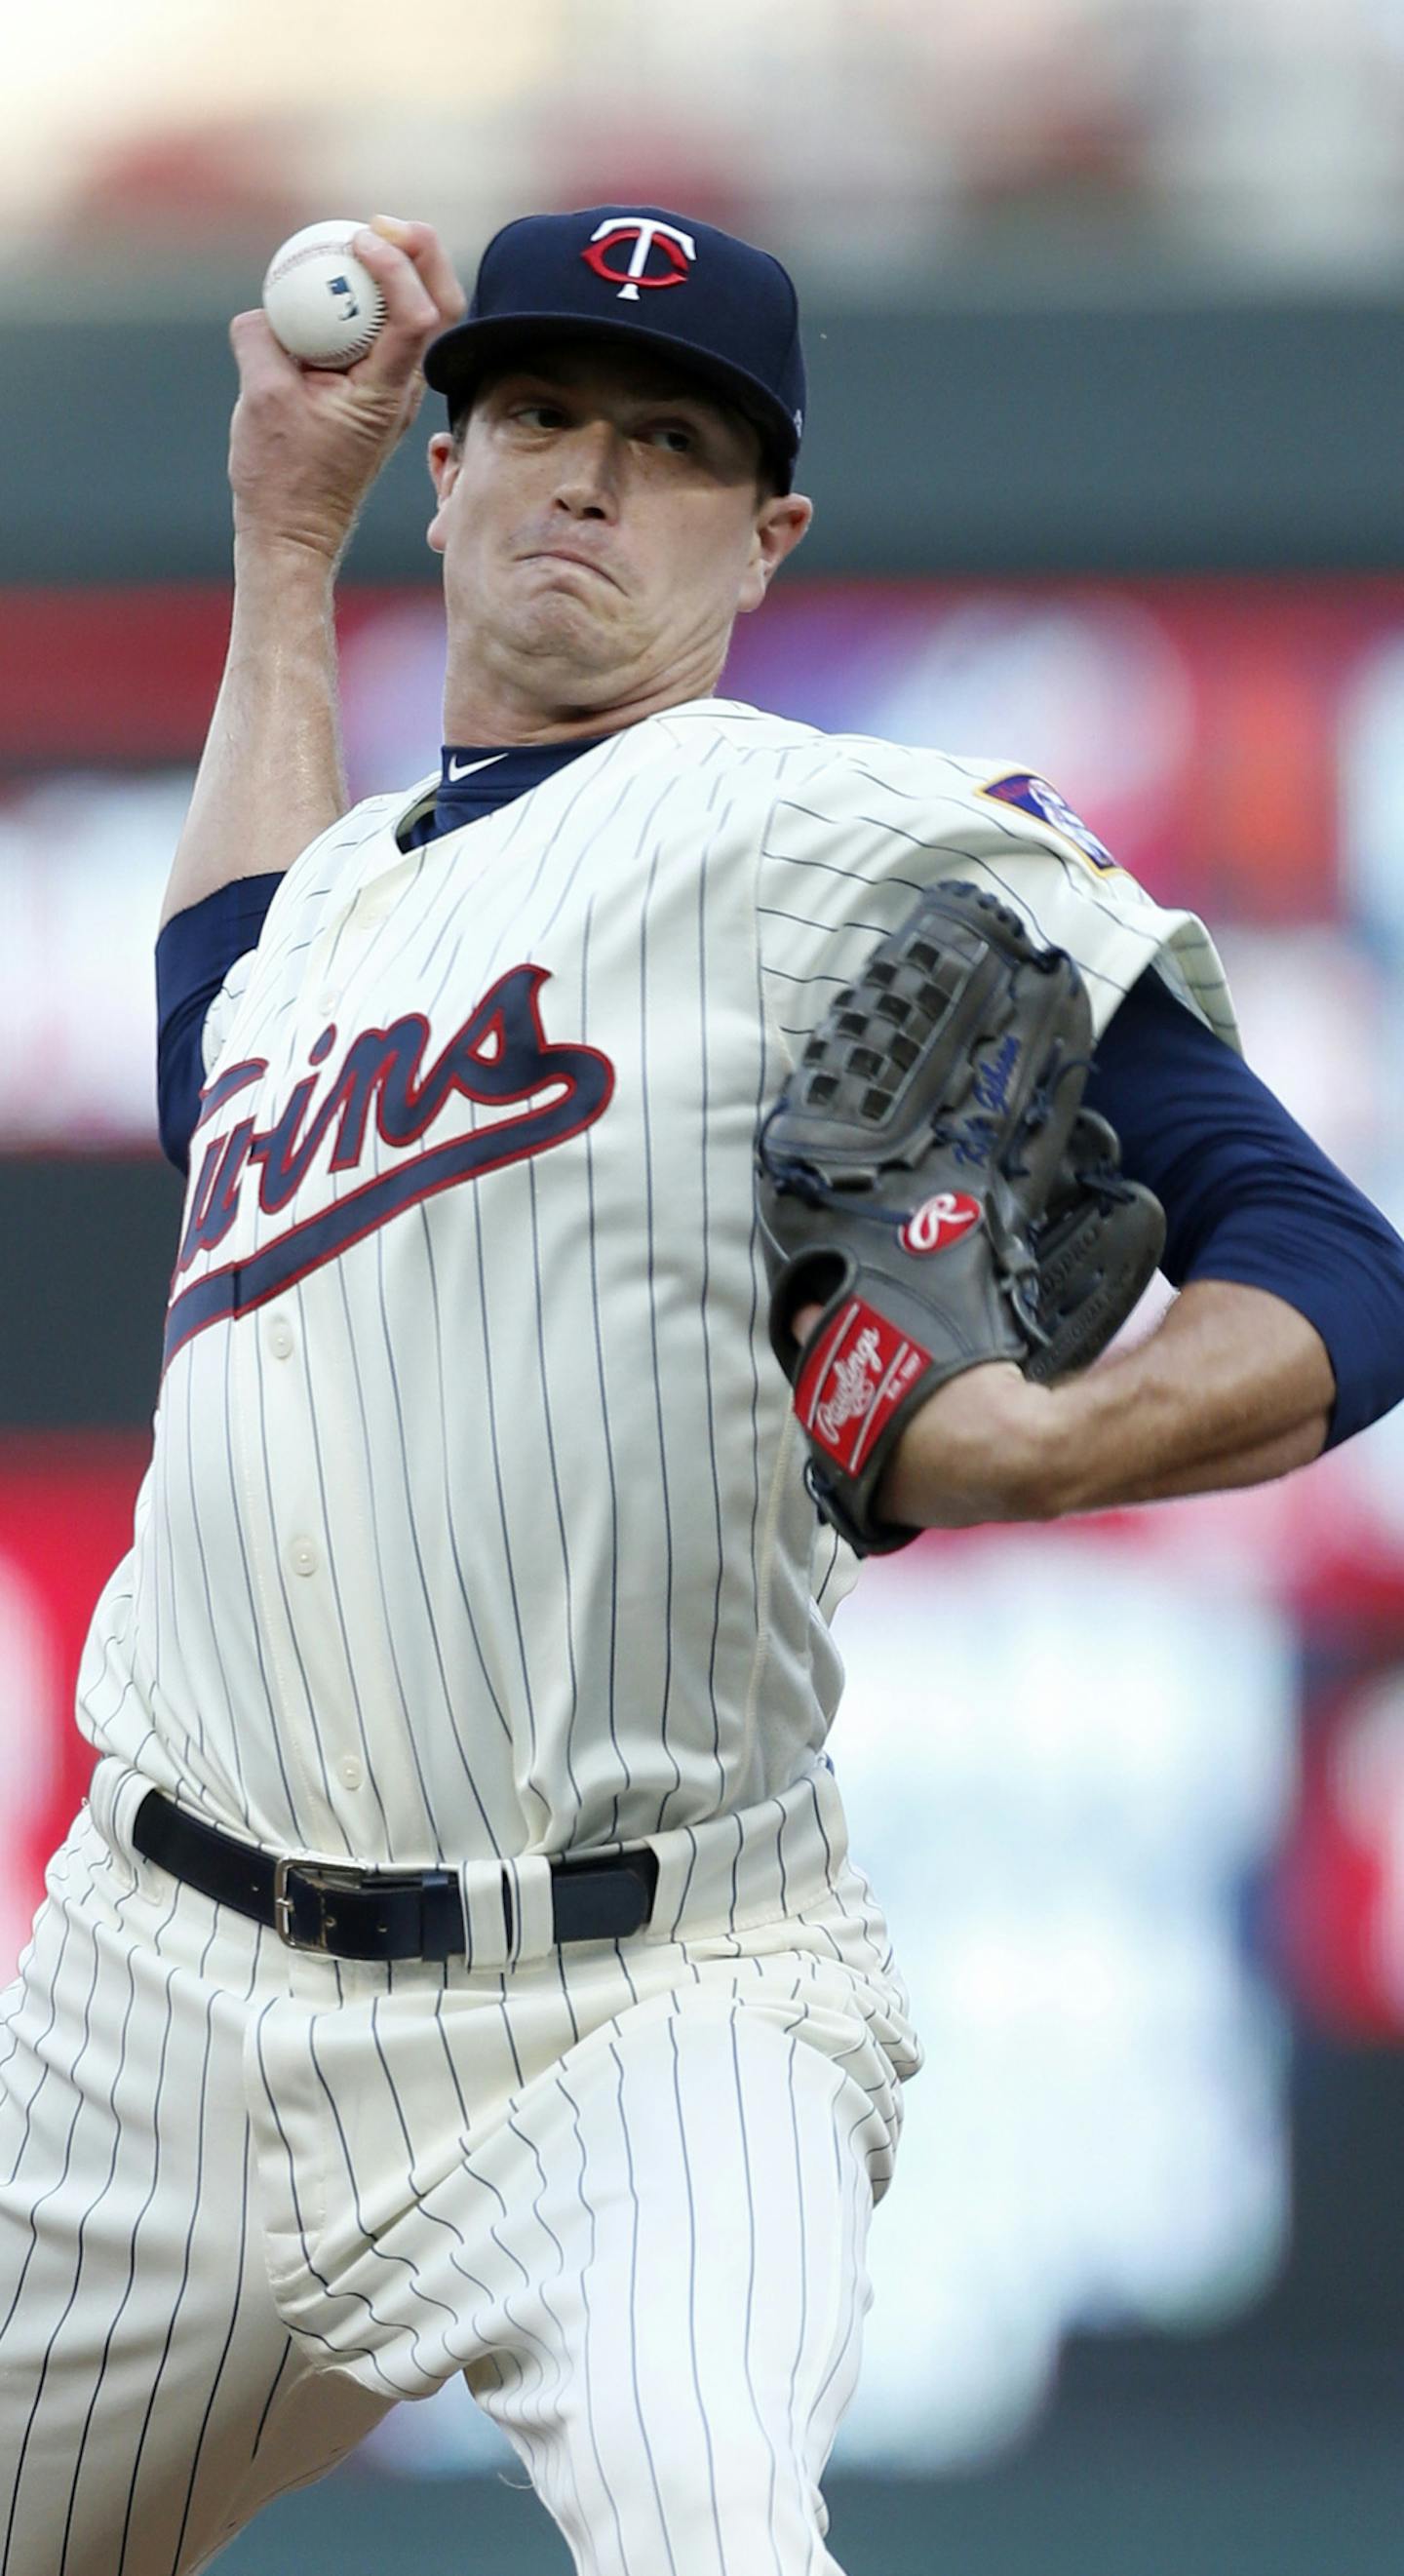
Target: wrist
(287,557)
(284,598)
(987,1446)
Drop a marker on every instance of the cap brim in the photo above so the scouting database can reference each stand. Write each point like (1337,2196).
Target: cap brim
(458,360)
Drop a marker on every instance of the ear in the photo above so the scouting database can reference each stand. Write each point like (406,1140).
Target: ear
(444,465)
(780,524)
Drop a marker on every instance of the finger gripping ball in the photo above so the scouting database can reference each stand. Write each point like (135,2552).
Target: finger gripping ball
(322,302)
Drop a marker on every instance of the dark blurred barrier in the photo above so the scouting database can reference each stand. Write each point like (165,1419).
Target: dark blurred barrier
(86,1249)
(1135,432)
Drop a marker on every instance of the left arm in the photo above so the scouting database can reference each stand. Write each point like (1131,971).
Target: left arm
(1233,1388)
(1288,1336)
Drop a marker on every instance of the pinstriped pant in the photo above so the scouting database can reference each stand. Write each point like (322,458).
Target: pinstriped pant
(248,2200)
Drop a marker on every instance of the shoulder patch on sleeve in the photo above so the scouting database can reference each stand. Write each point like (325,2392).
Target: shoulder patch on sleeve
(1033,795)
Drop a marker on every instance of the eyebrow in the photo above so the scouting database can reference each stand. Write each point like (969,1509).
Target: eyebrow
(667,393)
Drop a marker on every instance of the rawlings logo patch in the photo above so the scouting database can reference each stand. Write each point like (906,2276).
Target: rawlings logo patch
(854,1377)
(853,1381)
(939,1221)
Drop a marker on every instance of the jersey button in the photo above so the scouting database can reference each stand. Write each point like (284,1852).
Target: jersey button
(280,1336)
(351,1772)
(302,1556)
(327,1001)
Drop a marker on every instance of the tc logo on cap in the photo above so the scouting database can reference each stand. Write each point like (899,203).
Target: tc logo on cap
(647,233)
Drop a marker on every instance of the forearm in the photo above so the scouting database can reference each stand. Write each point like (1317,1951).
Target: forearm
(305,447)
(1233,1388)
(271,776)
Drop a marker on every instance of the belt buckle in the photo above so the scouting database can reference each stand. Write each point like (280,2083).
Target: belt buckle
(282,1909)
(328,1878)
(323,1879)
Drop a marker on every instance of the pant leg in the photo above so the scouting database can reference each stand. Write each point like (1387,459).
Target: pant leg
(150,2399)
(683,2240)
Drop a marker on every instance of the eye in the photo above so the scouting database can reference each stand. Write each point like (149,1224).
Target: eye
(677,437)
(538,412)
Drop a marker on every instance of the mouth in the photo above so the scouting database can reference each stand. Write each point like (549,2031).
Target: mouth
(570,555)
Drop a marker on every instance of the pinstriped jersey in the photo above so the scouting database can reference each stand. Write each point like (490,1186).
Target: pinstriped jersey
(475,1523)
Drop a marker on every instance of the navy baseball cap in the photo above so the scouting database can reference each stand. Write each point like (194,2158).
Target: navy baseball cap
(728,313)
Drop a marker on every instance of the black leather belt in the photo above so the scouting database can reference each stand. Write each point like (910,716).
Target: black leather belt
(385,1914)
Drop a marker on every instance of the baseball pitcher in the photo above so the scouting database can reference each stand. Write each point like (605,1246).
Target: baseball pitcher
(634,1171)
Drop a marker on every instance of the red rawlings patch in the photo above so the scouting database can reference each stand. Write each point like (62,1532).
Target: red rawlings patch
(853,1380)
(939,1221)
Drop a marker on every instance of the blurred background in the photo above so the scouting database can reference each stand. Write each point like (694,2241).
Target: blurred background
(1105,315)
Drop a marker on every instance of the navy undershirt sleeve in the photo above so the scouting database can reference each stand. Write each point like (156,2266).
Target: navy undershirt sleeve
(1249,1197)
(193,955)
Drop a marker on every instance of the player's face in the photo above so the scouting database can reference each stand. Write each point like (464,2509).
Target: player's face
(601,526)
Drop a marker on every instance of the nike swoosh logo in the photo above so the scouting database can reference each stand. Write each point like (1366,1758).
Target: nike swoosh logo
(465,768)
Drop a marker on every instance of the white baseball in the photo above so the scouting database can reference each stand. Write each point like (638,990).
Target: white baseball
(323,303)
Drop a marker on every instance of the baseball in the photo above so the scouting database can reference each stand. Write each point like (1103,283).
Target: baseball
(323,303)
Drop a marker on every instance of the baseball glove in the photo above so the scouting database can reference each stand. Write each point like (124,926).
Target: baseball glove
(930,1178)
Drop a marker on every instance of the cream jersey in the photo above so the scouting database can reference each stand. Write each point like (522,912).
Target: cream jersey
(476,1522)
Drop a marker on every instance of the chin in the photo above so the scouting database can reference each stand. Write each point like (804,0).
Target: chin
(563,629)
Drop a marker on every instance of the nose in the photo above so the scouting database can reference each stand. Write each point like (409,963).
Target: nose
(587,476)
